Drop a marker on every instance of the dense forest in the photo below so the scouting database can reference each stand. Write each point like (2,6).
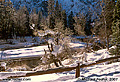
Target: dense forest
(16,22)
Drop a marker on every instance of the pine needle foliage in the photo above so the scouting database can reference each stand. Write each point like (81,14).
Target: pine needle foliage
(116,30)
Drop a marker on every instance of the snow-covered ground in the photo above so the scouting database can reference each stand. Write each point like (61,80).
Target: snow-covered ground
(23,52)
(30,52)
(98,73)
(102,71)
(20,42)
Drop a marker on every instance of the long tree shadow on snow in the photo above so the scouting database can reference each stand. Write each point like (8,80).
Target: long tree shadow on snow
(95,75)
(109,74)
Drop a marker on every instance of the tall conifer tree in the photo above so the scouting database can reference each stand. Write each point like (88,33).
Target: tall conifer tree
(51,14)
(116,30)
(6,14)
(103,25)
(71,22)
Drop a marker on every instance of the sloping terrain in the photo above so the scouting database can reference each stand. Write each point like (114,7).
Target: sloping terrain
(82,6)
(102,71)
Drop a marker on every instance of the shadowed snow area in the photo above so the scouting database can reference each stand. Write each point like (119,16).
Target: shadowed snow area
(99,71)
(103,70)
(23,52)
(33,51)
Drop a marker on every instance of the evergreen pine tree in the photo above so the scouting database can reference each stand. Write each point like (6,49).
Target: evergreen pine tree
(64,18)
(71,22)
(116,30)
(51,16)
(39,19)
(20,20)
(104,23)
(88,25)
(6,14)
(57,11)
(29,31)
(80,22)
(34,17)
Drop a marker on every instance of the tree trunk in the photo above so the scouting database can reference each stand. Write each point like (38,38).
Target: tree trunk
(56,64)
(107,42)
(60,63)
